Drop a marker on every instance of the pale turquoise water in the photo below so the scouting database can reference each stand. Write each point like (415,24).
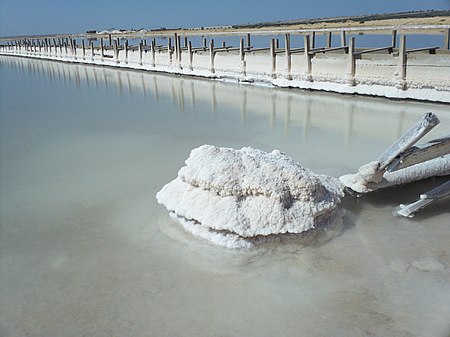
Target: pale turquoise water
(85,250)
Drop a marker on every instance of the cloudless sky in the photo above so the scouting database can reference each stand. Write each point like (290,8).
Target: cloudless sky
(29,17)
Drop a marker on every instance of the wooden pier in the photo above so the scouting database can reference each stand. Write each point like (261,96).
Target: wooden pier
(291,58)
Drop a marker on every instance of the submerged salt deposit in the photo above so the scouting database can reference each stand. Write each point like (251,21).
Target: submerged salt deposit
(224,195)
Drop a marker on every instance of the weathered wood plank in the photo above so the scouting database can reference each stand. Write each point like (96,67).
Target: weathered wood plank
(425,200)
(420,153)
(420,129)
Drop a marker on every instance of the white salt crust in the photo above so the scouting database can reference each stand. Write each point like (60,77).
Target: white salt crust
(363,181)
(248,193)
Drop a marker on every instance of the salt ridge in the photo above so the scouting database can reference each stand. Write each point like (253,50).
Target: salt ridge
(248,193)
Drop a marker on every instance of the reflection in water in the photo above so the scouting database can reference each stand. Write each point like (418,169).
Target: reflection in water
(361,115)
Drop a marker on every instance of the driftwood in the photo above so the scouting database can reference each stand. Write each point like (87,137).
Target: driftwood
(420,129)
(425,199)
(420,153)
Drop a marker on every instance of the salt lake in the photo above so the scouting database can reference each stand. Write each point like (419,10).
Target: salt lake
(86,250)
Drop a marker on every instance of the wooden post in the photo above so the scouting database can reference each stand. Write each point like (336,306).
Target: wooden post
(75,49)
(328,39)
(116,52)
(313,40)
(179,50)
(248,40)
(110,39)
(125,48)
(92,51)
(140,52)
(447,39)
(402,62)
(176,47)
(308,57)
(223,44)
(83,47)
(204,43)
(273,56)
(185,42)
(343,39)
(287,48)
(152,52)
(241,50)
(394,39)
(352,62)
(211,56)
(277,43)
(102,51)
(191,54)
(242,56)
(169,49)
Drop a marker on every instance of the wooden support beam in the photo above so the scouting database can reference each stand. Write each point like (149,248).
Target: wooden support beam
(83,48)
(352,61)
(394,39)
(102,50)
(402,60)
(125,49)
(74,44)
(140,51)
(116,52)
(389,49)
(308,57)
(152,52)
(287,48)
(211,56)
(248,40)
(92,51)
(169,49)
(328,39)
(313,40)
(273,56)
(179,51)
(242,56)
(241,50)
(191,55)
(343,38)
(447,39)
(176,47)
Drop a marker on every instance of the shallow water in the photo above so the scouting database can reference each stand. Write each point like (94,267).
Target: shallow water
(86,250)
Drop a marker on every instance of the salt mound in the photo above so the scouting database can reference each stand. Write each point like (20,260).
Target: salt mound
(248,193)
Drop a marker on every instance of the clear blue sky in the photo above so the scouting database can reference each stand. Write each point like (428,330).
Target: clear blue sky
(25,17)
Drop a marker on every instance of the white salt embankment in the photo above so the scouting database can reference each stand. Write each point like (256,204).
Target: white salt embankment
(236,198)
(400,73)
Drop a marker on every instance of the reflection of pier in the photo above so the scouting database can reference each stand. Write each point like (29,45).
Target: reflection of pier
(289,57)
(284,110)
